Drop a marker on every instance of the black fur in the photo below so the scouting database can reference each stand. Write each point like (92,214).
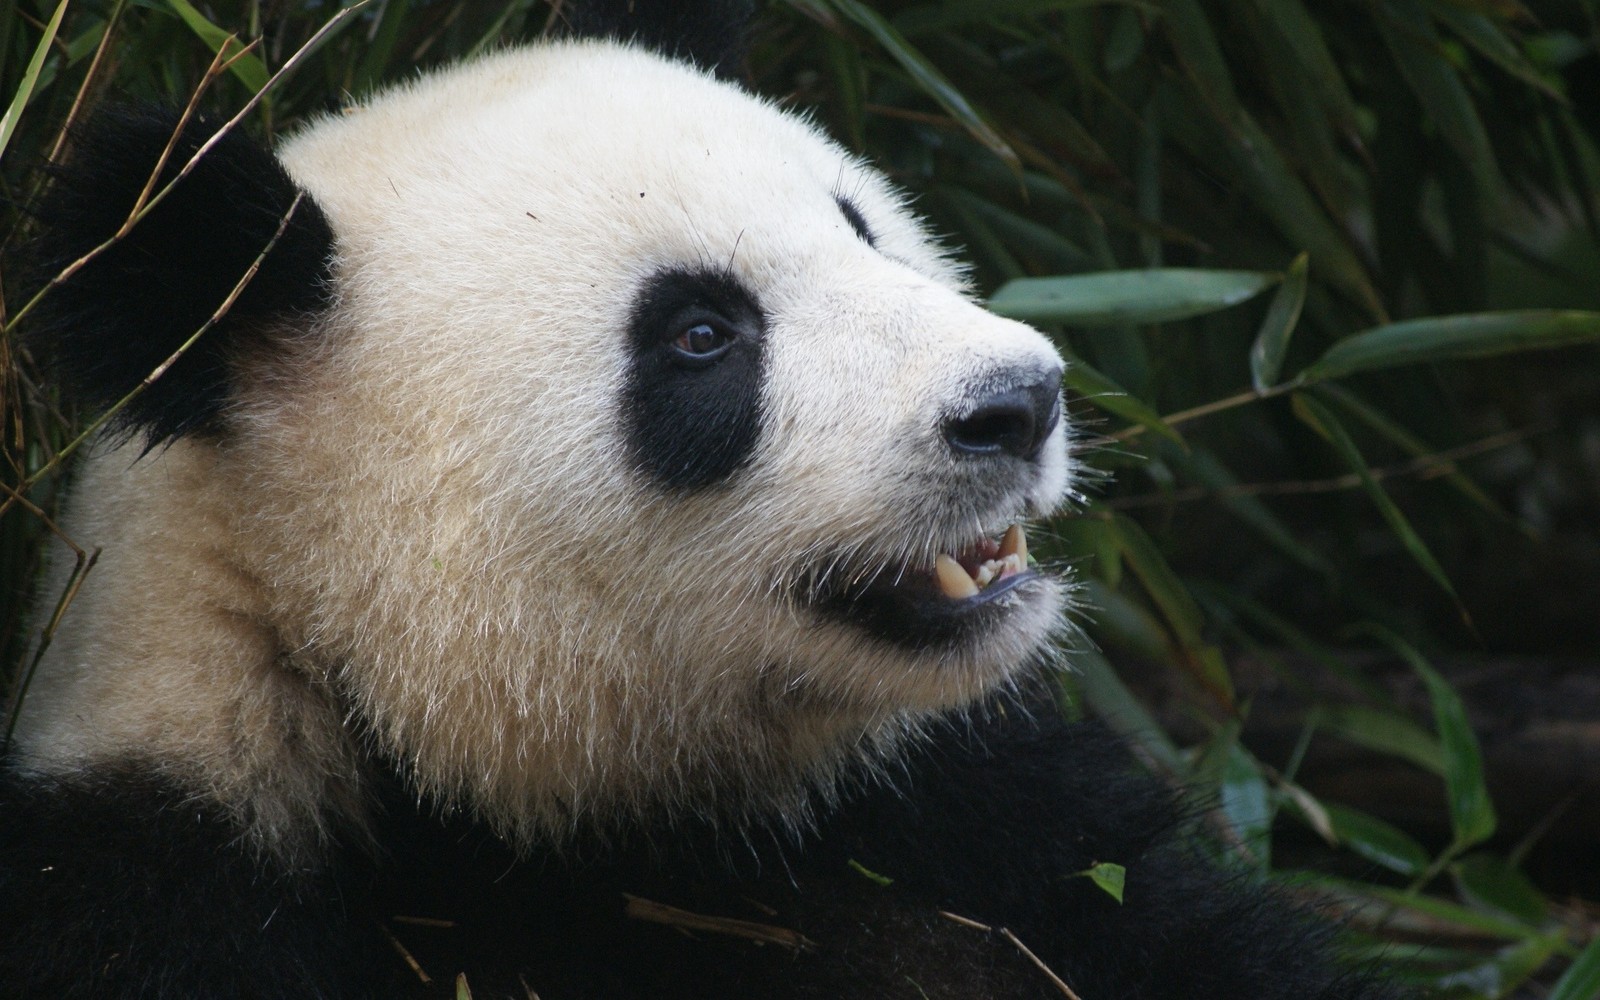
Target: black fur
(123,889)
(709,33)
(693,424)
(116,320)
(858,222)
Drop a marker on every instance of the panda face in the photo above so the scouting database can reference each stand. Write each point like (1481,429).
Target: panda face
(644,449)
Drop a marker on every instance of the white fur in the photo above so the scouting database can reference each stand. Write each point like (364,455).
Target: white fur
(428,513)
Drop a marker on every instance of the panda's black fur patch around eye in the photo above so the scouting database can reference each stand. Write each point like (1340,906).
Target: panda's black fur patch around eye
(117,319)
(693,425)
(857,221)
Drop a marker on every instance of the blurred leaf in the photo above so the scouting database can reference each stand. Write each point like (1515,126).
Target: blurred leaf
(1419,56)
(1106,394)
(1113,702)
(1494,44)
(1472,816)
(1246,802)
(1410,443)
(1443,338)
(30,77)
(1377,841)
(1581,981)
(1205,468)
(1199,658)
(1272,340)
(249,68)
(927,77)
(1305,40)
(1189,31)
(1322,420)
(926,18)
(1386,732)
(1489,881)
(1240,150)
(1437,910)
(1107,298)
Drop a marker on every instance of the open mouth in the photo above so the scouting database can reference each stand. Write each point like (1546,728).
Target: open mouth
(959,598)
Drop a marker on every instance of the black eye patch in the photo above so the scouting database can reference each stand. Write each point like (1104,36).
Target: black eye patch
(857,221)
(691,404)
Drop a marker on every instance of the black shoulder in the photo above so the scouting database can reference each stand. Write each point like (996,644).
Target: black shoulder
(116,886)
(997,822)
(113,321)
(709,33)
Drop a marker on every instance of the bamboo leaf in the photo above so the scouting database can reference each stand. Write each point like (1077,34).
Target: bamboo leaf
(1111,878)
(1322,420)
(1581,981)
(1377,841)
(1489,881)
(1449,338)
(1109,298)
(927,77)
(1103,392)
(1272,340)
(1419,56)
(249,68)
(1306,42)
(1201,659)
(30,77)
(1472,817)
(1385,732)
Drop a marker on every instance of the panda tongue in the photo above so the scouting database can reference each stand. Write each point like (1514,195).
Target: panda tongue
(984,563)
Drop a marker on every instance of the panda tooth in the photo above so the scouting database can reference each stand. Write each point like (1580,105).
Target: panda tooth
(1015,543)
(954,581)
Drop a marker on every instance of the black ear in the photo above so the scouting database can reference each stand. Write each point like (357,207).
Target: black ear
(709,33)
(113,322)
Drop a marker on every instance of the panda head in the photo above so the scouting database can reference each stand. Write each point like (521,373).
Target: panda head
(609,442)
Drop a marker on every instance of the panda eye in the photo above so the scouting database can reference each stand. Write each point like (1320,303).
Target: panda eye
(702,343)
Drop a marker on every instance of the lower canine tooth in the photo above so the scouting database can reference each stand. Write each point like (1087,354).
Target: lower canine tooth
(953,580)
(1014,543)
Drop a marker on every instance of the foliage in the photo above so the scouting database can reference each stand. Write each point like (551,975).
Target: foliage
(1277,240)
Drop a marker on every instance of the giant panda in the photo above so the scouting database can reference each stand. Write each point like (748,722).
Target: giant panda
(582,556)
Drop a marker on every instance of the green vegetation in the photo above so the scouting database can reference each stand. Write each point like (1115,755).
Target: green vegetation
(1329,277)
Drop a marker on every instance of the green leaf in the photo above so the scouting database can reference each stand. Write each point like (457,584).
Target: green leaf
(1581,981)
(1488,881)
(958,13)
(1322,420)
(1206,469)
(1448,338)
(1108,298)
(249,68)
(1113,702)
(1377,841)
(463,991)
(1272,340)
(1199,658)
(1472,818)
(1419,56)
(1109,877)
(1101,391)
(1412,444)
(1494,44)
(928,77)
(1386,732)
(873,876)
(1246,802)
(1306,42)
(30,77)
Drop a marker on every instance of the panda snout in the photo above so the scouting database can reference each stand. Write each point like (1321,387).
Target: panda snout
(1013,416)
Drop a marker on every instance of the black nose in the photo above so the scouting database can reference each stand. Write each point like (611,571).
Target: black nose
(1014,419)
